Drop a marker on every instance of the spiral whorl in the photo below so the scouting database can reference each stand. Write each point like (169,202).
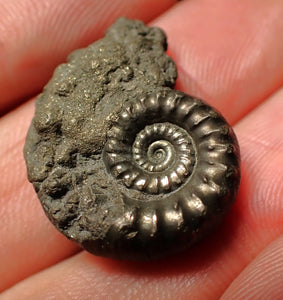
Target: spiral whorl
(174,145)
(150,157)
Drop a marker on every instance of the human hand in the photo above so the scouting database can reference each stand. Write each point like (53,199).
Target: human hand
(230,54)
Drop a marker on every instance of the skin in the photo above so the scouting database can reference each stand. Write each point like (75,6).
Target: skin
(229,53)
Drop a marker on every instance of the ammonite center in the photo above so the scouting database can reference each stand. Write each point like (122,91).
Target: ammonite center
(160,154)
(159,160)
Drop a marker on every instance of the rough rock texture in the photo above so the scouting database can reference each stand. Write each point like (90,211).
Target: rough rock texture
(73,114)
(123,164)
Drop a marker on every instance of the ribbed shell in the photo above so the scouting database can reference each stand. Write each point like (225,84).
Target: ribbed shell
(159,160)
(192,182)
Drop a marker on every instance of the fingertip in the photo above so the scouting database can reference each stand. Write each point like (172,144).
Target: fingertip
(262,278)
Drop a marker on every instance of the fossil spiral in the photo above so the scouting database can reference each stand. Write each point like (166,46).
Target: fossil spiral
(159,160)
(123,164)
(173,145)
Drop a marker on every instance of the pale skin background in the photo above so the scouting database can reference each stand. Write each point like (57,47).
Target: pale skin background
(230,53)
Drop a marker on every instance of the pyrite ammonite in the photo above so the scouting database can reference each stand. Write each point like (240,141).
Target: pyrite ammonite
(123,164)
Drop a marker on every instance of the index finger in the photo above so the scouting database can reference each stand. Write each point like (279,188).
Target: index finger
(227,52)
(35,36)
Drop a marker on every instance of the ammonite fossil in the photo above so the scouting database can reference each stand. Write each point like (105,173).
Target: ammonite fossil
(123,164)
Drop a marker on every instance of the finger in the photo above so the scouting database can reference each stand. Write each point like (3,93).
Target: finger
(262,278)
(29,242)
(208,269)
(227,52)
(36,36)
(231,45)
